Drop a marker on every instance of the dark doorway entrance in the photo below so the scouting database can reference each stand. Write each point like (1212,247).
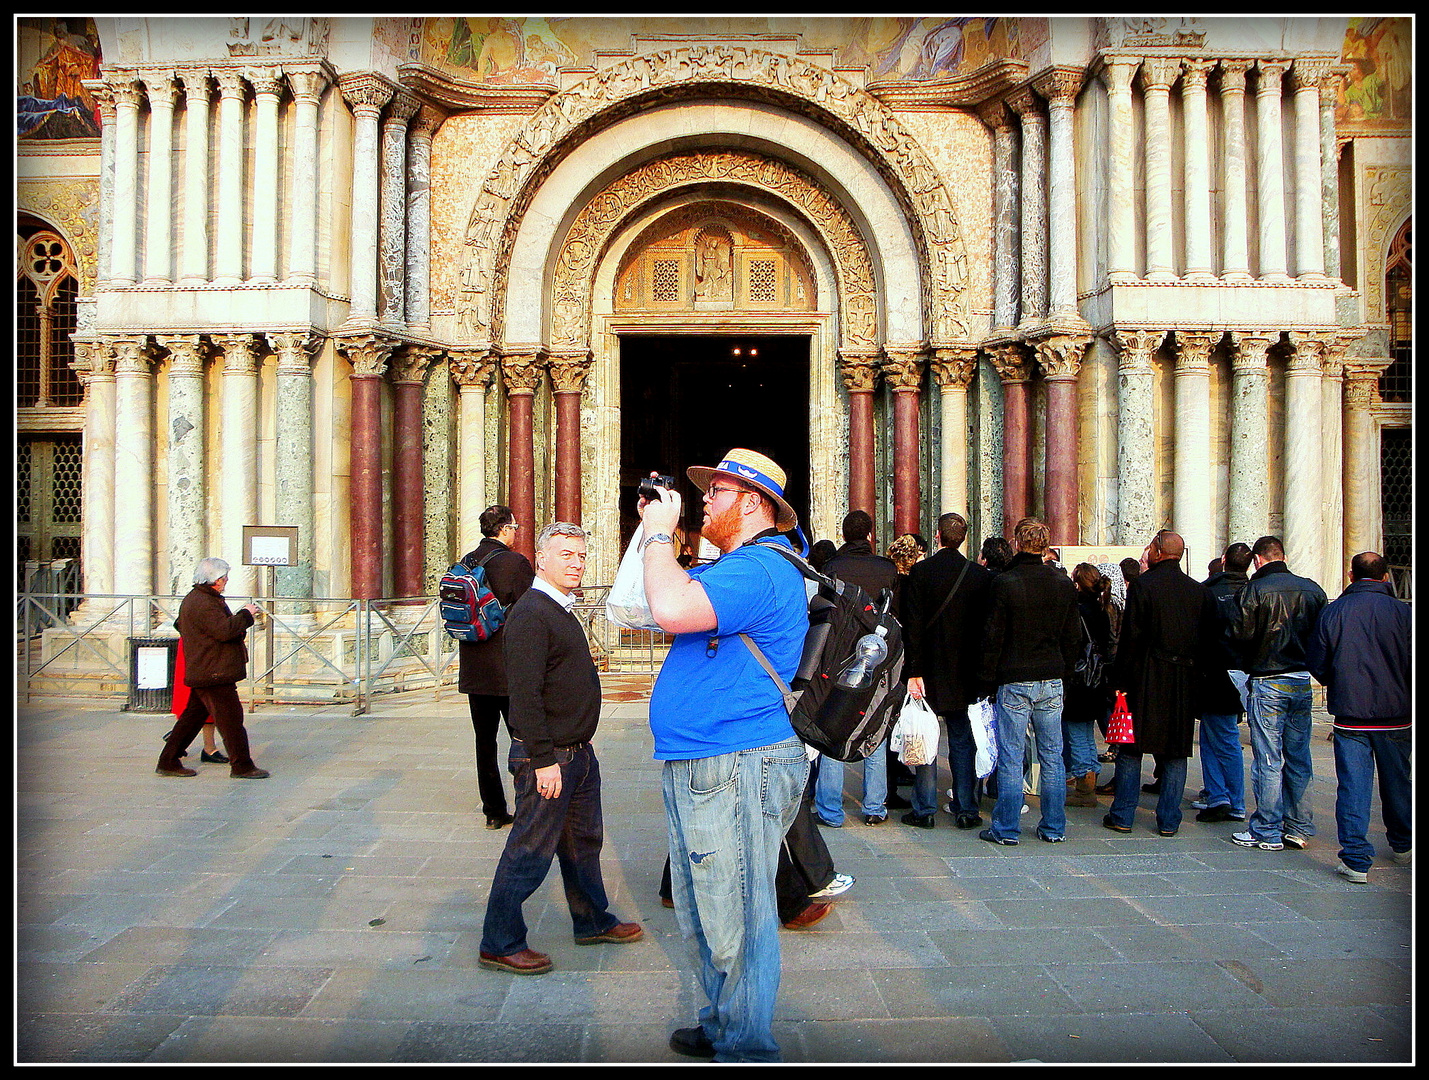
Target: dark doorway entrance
(686,400)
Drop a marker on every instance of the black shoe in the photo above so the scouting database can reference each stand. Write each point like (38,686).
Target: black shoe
(498,821)
(897,802)
(692,1042)
(919,821)
(1153,788)
(218,757)
(969,821)
(1107,821)
(1109,788)
(874,819)
(1215,813)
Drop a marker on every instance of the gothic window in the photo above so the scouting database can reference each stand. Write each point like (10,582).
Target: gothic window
(46,290)
(1394,384)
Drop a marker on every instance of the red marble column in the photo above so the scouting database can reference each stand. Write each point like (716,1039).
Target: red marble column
(860,375)
(1014,368)
(1060,358)
(568,377)
(408,479)
(522,374)
(903,372)
(368,354)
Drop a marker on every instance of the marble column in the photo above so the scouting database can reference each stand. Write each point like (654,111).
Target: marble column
(1136,518)
(1121,170)
(1034,207)
(1007,215)
(521,372)
(95,365)
(193,257)
(1235,222)
(1193,505)
(408,372)
(472,372)
(419,217)
(1332,419)
(366,93)
(1249,487)
(267,90)
(1060,357)
(1303,489)
(228,245)
(307,87)
(1330,176)
(1157,75)
(1305,80)
(1014,368)
(293,453)
(1060,87)
(903,372)
(158,229)
(392,225)
(108,124)
(123,251)
(368,354)
(569,372)
(859,371)
(188,502)
(238,453)
(1269,171)
(1199,262)
(1362,527)
(134,467)
(953,368)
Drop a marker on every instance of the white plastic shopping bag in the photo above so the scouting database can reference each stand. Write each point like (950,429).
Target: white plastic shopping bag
(983,717)
(915,735)
(625,605)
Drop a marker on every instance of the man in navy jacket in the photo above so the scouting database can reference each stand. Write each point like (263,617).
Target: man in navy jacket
(1360,652)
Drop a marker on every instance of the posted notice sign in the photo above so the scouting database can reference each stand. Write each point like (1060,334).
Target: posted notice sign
(270,545)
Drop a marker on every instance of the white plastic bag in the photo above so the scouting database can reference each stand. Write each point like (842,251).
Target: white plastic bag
(915,735)
(983,717)
(625,605)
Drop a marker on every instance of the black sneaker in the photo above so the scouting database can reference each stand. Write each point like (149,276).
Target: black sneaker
(1217,813)
(969,821)
(692,1042)
(919,821)
(991,838)
(218,757)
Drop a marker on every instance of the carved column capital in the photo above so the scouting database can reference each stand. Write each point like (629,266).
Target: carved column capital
(1195,73)
(240,352)
(1060,356)
(295,349)
(426,122)
(400,112)
(1011,360)
(859,370)
(132,355)
(307,84)
(1250,352)
(265,81)
(1059,84)
(92,360)
(472,367)
(1233,75)
(994,115)
(1138,350)
(1330,86)
(410,363)
(365,91)
(1193,355)
(1160,72)
(1309,73)
(159,88)
(197,83)
(186,353)
(1119,72)
(903,368)
(569,370)
(954,365)
(1025,103)
(1271,72)
(126,91)
(521,370)
(231,85)
(103,94)
(1308,354)
(368,353)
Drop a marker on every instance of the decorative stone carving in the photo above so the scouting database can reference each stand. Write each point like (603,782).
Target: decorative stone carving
(1060,356)
(521,371)
(410,363)
(368,353)
(186,354)
(954,365)
(365,91)
(1309,73)
(569,371)
(1194,355)
(859,371)
(903,368)
(1308,354)
(1138,350)
(295,350)
(472,367)
(240,352)
(1011,361)
(73,205)
(1250,352)
(132,356)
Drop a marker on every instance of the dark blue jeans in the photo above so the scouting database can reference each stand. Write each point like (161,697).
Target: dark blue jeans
(1128,790)
(567,828)
(961,753)
(1358,755)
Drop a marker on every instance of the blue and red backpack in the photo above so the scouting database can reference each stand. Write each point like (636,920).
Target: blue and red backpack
(470,610)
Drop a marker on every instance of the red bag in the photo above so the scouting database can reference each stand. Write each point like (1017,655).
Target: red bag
(181,692)
(1119,728)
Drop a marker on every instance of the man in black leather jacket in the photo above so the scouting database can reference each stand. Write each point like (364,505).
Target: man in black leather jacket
(1276,621)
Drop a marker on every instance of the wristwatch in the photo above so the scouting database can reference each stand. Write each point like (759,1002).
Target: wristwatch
(658,538)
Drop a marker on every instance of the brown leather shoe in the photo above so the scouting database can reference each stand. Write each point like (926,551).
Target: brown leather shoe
(525,962)
(177,770)
(814,913)
(251,774)
(618,934)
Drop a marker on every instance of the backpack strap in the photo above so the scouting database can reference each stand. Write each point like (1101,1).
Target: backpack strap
(790,698)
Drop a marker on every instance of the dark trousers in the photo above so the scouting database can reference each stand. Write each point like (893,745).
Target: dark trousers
(487,713)
(962,762)
(223,705)
(567,828)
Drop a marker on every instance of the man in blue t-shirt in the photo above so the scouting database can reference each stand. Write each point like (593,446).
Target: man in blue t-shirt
(734,769)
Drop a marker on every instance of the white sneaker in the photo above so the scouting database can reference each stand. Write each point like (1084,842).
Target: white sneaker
(840,884)
(1247,839)
(1200,804)
(1351,873)
(1402,858)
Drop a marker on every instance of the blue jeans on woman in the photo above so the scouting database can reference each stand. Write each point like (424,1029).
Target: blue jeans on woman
(727,816)
(1040,703)
(1358,755)
(1128,790)
(1079,746)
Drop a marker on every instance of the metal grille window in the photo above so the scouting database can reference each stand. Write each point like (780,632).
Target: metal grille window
(23,456)
(1395,384)
(665,283)
(49,497)
(45,293)
(1396,479)
(27,343)
(762,278)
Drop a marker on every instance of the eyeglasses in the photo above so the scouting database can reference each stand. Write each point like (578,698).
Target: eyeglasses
(712,491)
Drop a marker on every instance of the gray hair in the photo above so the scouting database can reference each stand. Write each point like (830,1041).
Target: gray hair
(210,570)
(559,528)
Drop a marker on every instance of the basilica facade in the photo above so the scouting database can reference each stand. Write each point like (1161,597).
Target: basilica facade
(365,277)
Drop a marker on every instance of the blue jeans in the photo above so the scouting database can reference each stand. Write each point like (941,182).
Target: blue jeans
(1039,702)
(962,756)
(1222,762)
(1279,719)
(1079,746)
(1128,790)
(567,828)
(829,787)
(728,815)
(1358,754)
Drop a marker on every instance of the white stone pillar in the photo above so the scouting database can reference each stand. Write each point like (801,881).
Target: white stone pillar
(1060,87)
(366,93)
(1121,171)
(193,258)
(187,484)
(158,232)
(95,364)
(1249,488)
(392,228)
(123,251)
(133,467)
(104,98)
(1193,508)
(1304,503)
(307,87)
(238,454)
(1305,81)
(1362,528)
(1034,206)
(1136,517)
(228,246)
(1007,214)
(1157,75)
(1199,263)
(472,372)
(1330,176)
(267,90)
(953,369)
(293,453)
(1235,259)
(1332,420)
(419,218)
(1269,171)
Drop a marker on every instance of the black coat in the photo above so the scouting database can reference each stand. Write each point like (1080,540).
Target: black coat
(856,563)
(1221,696)
(1032,630)
(945,654)
(483,669)
(1167,649)
(1091,702)
(1277,616)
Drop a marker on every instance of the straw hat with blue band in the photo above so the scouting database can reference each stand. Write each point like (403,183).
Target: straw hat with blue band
(756,471)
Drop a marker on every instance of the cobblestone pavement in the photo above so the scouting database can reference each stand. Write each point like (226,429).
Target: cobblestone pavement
(333,914)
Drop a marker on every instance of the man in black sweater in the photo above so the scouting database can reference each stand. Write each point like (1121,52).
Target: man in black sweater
(555,706)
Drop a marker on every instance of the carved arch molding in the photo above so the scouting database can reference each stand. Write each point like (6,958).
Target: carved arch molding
(604,216)
(671,74)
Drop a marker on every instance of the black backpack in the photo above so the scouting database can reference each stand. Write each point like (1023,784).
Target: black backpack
(1089,670)
(844,724)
